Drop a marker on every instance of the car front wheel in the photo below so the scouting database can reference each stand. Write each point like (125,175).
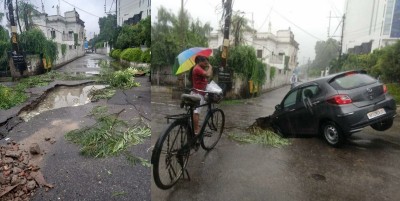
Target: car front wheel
(332,134)
(278,131)
(383,125)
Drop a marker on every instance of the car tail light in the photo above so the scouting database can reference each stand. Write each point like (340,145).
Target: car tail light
(340,99)
(384,88)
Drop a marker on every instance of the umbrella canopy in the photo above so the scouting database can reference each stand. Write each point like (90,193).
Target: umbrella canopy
(185,60)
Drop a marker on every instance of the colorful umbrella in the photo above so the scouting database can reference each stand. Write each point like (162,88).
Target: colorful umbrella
(185,60)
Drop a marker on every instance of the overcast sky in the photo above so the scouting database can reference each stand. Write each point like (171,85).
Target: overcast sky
(83,7)
(308,19)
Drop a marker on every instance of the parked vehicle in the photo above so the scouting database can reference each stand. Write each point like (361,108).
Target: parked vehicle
(335,106)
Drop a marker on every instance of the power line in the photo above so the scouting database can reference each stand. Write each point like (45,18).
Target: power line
(296,25)
(270,10)
(111,6)
(81,9)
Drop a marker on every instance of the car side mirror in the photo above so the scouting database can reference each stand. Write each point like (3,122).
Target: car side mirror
(278,107)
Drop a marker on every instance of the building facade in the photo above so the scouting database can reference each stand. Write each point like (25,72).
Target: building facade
(278,50)
(132,11)
(66,30)
(370,24)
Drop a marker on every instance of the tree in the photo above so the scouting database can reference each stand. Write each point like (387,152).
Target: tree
(243,60)
(388,64)
(108,29)
(5,46)
(240,25)
(26,10)
(325,51)
(172,34)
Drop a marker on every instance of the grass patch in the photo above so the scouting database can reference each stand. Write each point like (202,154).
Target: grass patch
(232,102)
(259,136)
(13,96)
(110,136)
(10,97)
(394,90)
(106,93)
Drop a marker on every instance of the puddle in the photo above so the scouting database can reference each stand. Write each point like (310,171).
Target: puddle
(62,97)
(92,64)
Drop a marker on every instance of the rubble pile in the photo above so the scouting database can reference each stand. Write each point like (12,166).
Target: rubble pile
(18,177)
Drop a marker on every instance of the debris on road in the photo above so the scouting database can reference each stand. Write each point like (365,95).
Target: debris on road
(18,177)
(34,149)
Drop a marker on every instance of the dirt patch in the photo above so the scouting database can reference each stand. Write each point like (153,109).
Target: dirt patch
(19,177)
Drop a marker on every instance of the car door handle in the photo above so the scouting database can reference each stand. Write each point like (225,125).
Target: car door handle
(316,102)
(292,110)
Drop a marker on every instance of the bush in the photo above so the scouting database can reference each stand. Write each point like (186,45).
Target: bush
(146,56)
(10,97)
(124,79)
(35,42)
(131,54)
(116,54)
(394,90)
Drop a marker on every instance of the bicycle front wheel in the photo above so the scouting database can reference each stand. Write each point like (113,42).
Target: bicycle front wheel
(215,123)
(170,155)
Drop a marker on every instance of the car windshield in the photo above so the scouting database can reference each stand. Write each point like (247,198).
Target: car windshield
(351,81)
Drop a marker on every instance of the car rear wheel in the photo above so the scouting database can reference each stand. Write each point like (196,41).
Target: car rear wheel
(383,125)
(332,134)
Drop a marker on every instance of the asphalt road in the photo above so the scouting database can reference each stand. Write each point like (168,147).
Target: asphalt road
(366,168)
(74,176)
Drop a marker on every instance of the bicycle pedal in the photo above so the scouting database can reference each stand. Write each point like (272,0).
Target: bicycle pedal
(207,134)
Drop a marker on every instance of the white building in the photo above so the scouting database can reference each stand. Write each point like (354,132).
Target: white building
(279,51)
(370,24)
(132,11)
(271,49)
(63,30)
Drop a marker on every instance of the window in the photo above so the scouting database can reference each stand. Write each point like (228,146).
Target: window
(353,80)
(309,92)
(290,100)
(53,34)
(70,35)
(259,53)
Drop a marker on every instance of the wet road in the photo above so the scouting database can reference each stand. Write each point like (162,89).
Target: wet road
(366,168)
(74,176)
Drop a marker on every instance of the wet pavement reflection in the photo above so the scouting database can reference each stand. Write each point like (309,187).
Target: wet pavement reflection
(62,97)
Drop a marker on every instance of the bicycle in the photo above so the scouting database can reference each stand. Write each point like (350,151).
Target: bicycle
(172,149)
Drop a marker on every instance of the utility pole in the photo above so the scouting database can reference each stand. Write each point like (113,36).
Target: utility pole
(228,15)
(225,73)
(329,25)
(341,40)
(17,58)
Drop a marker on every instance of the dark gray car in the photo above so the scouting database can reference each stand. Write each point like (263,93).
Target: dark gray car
(335,106)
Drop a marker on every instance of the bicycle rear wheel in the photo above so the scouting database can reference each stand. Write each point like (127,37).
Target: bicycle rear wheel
(170,155)
(215,123)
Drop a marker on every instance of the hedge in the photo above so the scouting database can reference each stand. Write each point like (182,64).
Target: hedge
(132,54)
(146,56)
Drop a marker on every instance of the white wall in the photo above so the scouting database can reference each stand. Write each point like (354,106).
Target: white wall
(70,54)
(364,22)
(128,8)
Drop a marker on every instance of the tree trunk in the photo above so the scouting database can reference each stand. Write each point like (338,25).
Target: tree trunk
(17,12)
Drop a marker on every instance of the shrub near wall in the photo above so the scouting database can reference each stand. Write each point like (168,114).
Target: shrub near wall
(116,54)
(132,54)
(146,56)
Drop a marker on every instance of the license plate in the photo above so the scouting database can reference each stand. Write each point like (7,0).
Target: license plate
(376,113)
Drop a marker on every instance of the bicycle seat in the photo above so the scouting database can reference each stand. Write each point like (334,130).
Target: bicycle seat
(190,100)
